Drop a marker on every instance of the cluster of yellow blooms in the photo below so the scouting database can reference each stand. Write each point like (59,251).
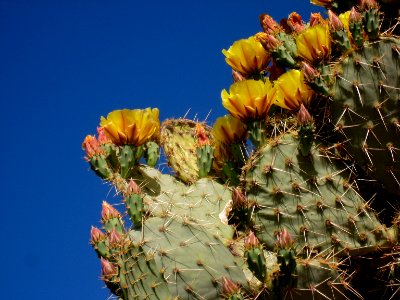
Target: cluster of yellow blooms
(248,99)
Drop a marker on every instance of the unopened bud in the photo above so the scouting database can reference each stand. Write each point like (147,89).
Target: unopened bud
(368,4)
(303,116)
(269,25)
(316,19)
(115,239)
(96,235)
(91,146)
(284,239)
(202,137)
(133,188)
(237,76)
(102,137)
(295,22)
(268,41)
(309,72)
(229,287)
(334,22)
(108,269)
(239,200)
(251,241)
(355,16)
(108,212)
(285,26)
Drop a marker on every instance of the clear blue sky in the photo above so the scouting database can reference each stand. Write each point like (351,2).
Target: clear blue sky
(63,64)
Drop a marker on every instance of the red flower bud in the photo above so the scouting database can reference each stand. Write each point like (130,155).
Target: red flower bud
(102,137)
(251,241)
(268,41)
(108,212)
(96,235)
(316,19)
(202,137)
(334,22)
(295,22)
(115,238)
(133,188)
(269,25)
(108,269)
(368,4)
(303,116)
(309,72)
(229,287)
(91,146)
(284,240)
(355,16)
(239,200)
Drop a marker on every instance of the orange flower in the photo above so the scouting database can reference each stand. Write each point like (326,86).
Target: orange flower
(133,127)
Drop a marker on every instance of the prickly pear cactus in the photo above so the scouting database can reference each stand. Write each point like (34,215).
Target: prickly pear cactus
(275,201)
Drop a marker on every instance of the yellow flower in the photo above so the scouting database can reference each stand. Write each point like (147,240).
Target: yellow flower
(229,130)
(247,56)
(248,99)
(292,91)
(344,17)
(314,43)
(131,126)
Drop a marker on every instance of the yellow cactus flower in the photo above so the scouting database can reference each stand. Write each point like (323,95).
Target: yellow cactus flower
(248,99)
(314,43)
(247,56)
(292,91)
(229,130)
(344,17)
(133,127)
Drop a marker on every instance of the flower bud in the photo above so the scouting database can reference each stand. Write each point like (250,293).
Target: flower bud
(334,22)
(239,200)
(303,116)
(316,19)
(201,134)
(108,269)
(355,16)
(102,137)
(96,235)
(92,147)
(229,287)
(115,239)
(269,25)
(309,72)
(268,41)
(251,241)
(295,22)
(108,212)
(284,239)
(133,188)
(368,4)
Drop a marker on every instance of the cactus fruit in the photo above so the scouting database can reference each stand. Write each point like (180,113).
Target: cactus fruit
(273,202)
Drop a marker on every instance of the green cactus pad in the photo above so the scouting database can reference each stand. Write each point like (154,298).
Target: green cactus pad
(365,109)
(193,260)
(312,198)
(200,203)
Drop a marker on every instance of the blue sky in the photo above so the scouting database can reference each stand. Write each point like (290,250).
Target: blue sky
(63,64)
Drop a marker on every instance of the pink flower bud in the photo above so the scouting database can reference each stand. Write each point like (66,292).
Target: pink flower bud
(251,241)
(295,22)
(268,41)
(269,25)
(108,212)
(309,72)
(316,19)
(91,146)
(108,269)
(334,22)
(229,287)
(355,16)
(102,137)
(115,238)
(303,116)
(133,188)
(239,200)
(201,134)
(368,4)
(284,240)
(96,235)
